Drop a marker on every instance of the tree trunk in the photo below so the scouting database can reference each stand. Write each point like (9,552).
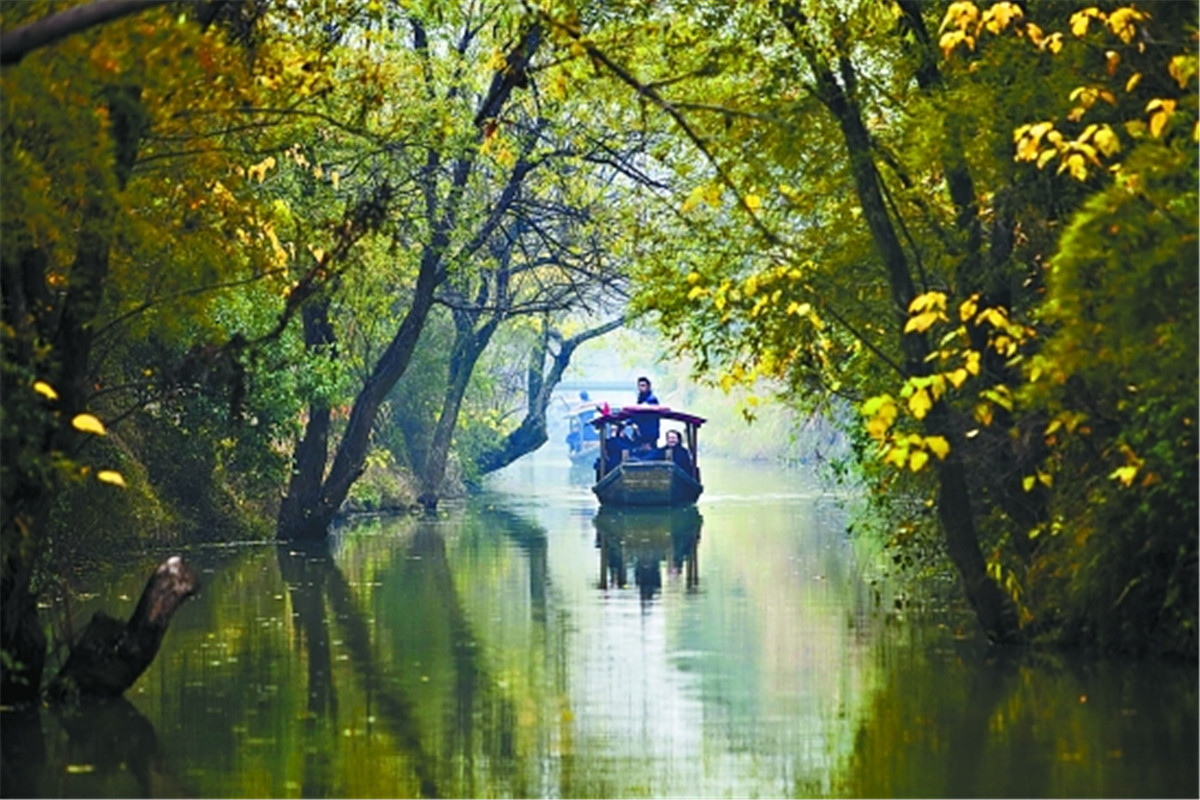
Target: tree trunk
(469,344)
(312,503)
(531,433)
(308,462)
(110,656)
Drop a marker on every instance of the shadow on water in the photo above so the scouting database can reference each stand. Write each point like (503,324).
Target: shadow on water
(105,746)
(640,540)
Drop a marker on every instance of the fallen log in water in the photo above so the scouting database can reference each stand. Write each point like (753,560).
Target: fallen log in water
(111,655)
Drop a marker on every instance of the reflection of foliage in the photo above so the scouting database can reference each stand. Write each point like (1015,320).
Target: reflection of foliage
(953,724)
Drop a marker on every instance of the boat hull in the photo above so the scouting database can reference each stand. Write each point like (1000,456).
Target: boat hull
(647,483)
(587,453)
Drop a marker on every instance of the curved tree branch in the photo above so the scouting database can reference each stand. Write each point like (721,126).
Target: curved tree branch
(17,43)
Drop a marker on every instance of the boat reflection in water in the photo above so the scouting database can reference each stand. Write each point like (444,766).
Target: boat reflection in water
(634,543)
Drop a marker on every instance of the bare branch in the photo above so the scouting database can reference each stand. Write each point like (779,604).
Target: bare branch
(15,44)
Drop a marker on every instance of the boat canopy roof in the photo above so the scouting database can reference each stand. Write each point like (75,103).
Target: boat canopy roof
(628,413)
(582,408)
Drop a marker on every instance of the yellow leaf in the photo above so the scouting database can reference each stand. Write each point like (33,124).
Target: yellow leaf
(111,476)
(1160,111)
(753,202)
(1125,474)
(693,199)
(960,15)
(1182,68)
(927,302)
(983,413)
(1045,478)
(1157,123)
(996,18)
(1133,81)
(1106,140)
(1077,165)
(45,390)
(1045,158)
(917,460)
(1121,23)
(693,277)
(957,378)
(938,445)
(88,424)
(1080,20)
(972,361)
(897,456)
(1027,483)
(951,40)
(923,322)
(968,307)
(919,404)
(1053,43)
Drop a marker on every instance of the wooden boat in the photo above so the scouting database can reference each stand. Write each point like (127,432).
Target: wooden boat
(627,476)
(583,441)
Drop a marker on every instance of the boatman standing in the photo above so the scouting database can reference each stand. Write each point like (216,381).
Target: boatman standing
(644,394)
(647,423)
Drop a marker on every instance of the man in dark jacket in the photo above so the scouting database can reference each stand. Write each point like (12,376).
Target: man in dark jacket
(647,424)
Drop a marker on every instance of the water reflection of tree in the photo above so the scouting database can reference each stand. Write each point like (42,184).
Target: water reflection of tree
(645,538)
(421,574)
(318,590)
(110,742)
(956,720)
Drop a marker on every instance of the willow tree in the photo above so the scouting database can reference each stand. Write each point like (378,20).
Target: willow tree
(880,238)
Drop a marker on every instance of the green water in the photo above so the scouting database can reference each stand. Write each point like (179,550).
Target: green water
(521,645)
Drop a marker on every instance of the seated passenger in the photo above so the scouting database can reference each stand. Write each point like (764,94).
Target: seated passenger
(614,446)
(678,452)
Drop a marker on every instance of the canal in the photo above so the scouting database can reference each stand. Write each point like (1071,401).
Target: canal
(523,645)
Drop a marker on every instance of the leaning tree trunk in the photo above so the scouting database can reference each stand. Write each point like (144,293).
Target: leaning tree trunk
(311,502)
(111,655)
(469,344)
(531,433)
(310,519)
(992,607)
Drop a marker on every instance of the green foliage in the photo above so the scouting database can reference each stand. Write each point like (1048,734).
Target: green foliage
(1122,360)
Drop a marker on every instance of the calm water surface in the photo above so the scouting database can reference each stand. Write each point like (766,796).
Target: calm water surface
(525,645)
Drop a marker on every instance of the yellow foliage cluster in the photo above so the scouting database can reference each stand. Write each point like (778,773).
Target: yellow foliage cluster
(956,362)
(1041,142)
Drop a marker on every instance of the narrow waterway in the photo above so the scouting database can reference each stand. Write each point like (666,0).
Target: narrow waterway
(523,644)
